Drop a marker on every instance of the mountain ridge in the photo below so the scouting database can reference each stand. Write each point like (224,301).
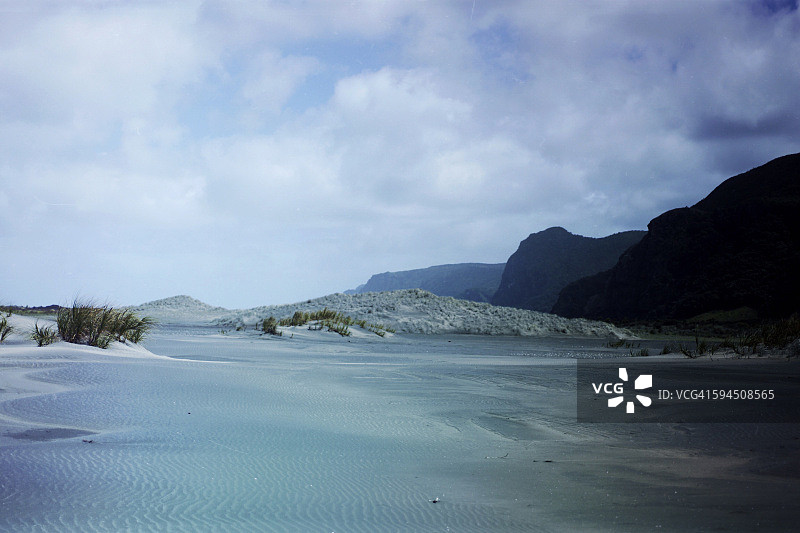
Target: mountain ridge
(546,261)
(467,281)
(739,247)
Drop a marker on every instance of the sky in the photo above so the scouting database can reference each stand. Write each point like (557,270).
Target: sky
(266,152)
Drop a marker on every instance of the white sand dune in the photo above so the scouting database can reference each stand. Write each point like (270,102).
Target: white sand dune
(25,377)
(180,310)
(406,311)
(19,344)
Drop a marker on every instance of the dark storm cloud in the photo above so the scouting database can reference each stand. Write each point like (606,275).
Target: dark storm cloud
(783,124)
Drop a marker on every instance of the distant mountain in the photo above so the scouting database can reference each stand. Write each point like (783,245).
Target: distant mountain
(547,261)
(737,248)
(466,281)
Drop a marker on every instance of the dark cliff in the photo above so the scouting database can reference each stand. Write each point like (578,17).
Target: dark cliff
(547,261)
(467,281)
(738,247)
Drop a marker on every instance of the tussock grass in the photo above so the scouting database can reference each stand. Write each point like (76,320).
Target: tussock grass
(270,325)
(74,323)
(701,347)
(687,351)
(334,321)
(5,328)
(622,343)
(337,326)
(43,336)
(87,323)
(774,335)
(668,349)
(781,333)
(126,325)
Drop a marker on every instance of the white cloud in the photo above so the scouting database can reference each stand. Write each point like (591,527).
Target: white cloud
(369,136)
(280,171)
(88,194)
(257,21)
(98,65)
(272,78)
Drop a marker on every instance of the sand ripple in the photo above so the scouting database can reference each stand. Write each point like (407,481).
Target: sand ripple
(192,447)
(309,437)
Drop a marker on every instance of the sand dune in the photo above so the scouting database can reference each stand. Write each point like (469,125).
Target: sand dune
(180,310)
(406,311)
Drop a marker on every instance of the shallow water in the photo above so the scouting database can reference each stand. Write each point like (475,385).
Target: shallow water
(248,433)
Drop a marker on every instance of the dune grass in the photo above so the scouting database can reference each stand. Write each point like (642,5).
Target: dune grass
(641,352)
(99,325)
(781,333)
(334,321)
(126,325)
(270,325)
(772,335)
(5,328)
(44,335)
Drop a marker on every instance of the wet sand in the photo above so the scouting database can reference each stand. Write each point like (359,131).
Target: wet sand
(305,435)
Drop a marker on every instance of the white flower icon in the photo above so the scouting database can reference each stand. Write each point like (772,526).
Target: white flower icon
(645,381)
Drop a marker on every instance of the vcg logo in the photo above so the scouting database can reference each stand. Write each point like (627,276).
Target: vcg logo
(645,381)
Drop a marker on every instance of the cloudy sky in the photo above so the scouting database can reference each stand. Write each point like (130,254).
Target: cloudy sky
(265,152)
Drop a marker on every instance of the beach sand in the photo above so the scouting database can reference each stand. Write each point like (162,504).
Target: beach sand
(332,434)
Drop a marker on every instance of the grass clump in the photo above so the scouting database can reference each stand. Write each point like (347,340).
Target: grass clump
(622,343)
(687,351)
(299,318)
(324,318)
(44,335)
(93,325)
(270,325)
(78,324)
(337,326)
(642,352)
(334,321)
(669,348)
(5,328)
(781,333)
(774,335)
(126,325)
(701,347)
